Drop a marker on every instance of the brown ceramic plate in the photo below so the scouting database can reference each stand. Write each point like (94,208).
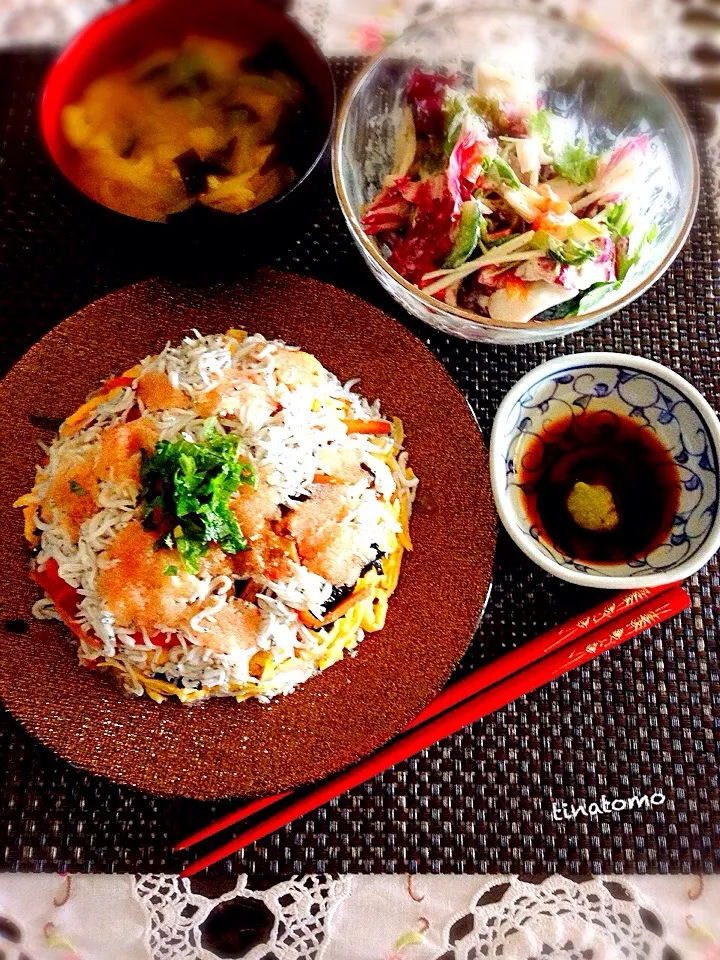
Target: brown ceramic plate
(221,748)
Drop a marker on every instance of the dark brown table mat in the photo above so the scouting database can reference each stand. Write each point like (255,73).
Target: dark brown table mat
(640,718)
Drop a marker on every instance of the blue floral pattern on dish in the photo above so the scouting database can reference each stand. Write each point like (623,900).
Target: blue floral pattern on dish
(653,402)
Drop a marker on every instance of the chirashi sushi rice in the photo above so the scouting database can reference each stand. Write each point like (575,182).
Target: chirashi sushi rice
(224,519)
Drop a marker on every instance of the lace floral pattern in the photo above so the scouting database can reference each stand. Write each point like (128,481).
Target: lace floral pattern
(557,919)
(161,917)
(12,938)
(288,921)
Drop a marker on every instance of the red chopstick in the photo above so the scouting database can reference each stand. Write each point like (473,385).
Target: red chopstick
(478,680)
(630,622)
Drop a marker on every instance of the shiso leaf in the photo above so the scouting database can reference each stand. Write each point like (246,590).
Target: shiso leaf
(190,485)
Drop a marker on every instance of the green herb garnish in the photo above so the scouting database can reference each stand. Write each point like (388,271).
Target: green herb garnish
(500,171)
(170,570)
(76,488)
(617,218)
(456,109)
(190,485)
(576,163)
(571,252)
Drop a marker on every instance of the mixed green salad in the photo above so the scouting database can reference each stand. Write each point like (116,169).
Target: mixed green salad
(492,206)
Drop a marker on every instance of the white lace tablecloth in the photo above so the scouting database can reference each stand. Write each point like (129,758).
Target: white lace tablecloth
(386,918)
(365,918)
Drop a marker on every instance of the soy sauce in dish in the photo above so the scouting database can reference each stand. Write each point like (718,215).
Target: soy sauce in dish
(600,486)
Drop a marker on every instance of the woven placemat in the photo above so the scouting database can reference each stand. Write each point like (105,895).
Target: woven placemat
(642,718)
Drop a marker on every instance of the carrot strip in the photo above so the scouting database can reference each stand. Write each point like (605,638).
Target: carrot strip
(370,427)
(306,618)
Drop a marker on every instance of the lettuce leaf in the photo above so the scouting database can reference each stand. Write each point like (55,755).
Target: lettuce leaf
(576,163)
(627,260)
(540,125)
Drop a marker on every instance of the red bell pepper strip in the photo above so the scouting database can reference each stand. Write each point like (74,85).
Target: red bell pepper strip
(64,597)
(66,600)
(114,382)
(163,640)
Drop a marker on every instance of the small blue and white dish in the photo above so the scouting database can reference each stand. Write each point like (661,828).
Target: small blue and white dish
(658,400)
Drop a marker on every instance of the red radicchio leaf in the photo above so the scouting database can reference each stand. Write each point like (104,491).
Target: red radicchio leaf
(429,238)
(389,210)
(566,276)
(425,94)
(610,258)
(515,124)
(493,276)
(424,193)
(625,149)
(608,253)
(465,172)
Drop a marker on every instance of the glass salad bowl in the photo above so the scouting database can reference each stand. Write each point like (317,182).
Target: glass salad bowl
(594,94)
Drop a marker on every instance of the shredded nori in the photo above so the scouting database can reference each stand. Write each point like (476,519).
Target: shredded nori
(195,171)
(376,563)
(339,593)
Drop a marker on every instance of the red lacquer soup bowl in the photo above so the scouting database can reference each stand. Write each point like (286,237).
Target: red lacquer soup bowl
(128,33)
